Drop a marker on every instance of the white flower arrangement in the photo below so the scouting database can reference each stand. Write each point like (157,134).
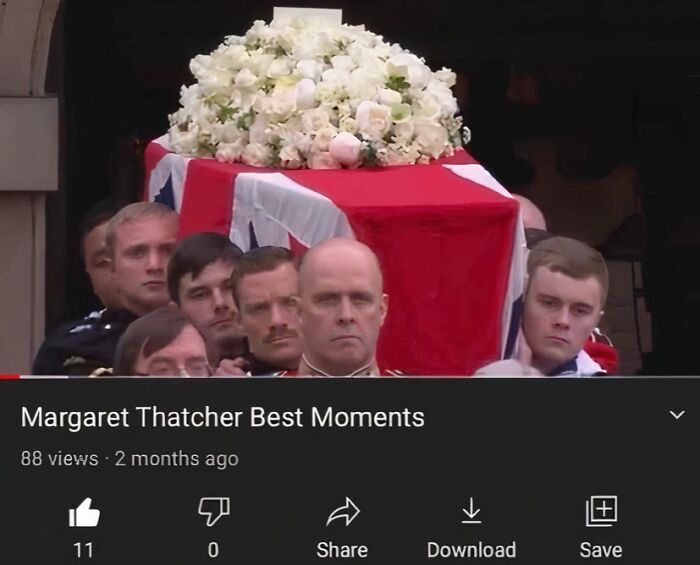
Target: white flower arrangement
(310,94)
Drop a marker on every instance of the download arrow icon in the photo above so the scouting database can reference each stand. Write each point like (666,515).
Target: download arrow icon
(349,511)
(471,513)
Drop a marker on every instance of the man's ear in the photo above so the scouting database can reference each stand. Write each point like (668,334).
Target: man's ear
(383,308)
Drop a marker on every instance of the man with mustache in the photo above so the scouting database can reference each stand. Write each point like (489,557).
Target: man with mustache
(342,307)
(265,287)
(566,291)
(199,282)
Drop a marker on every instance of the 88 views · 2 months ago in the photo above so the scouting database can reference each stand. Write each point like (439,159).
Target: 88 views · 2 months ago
(120,458)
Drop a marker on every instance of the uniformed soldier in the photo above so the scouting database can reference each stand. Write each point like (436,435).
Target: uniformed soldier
(342,307)
(265,286)
(139,238)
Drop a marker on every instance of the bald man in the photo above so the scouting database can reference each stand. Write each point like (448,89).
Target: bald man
(342,306)
(532,215)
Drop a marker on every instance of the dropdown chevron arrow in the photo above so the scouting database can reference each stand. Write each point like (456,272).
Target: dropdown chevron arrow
(677,415)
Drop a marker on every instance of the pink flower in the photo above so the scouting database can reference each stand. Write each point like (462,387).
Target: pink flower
(345,148)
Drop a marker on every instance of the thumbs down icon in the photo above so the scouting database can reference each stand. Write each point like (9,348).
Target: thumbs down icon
(83,516)
(214,508)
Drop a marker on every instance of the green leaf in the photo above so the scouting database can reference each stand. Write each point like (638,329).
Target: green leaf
(225,113)
(398,83)
(369,155)
(246,120)
(206,148)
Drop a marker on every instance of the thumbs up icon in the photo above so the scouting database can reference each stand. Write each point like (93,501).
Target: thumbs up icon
(83,516)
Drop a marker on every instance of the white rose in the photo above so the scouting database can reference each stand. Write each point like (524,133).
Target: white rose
(306,94)
(290,158)
(442,94)
(234,40)
(308,68)
(225,133)
(258,130)
(336,77)
(427,107)
(257,155)
(446,76)
(387,96)
(230,152)
(417,73)
(314,120)
(245,79)
(254,32)
(260,31)
(235,56)
(404,131)
(323,138)
(184,142)
(200,65)
(189,96)
(278,68)
(370,78)
(313,45)
(215,81)
(346,148)
(323,161)
(281,107)
(431,138)
(343,63)
(260,63)
(366,58)
(373,120)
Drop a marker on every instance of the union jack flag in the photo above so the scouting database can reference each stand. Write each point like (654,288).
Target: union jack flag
(448,235)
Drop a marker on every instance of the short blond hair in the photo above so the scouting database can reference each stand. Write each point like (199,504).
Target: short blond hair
(571,257)
(133,212)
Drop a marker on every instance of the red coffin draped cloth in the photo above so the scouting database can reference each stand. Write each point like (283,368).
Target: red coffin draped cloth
(444,242)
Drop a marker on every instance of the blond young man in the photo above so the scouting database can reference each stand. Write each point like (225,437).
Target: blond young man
(564,301)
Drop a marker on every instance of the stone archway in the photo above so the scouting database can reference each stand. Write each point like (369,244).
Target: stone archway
(28,170)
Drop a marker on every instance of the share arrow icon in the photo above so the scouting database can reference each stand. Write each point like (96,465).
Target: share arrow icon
(471,513)
(349,511)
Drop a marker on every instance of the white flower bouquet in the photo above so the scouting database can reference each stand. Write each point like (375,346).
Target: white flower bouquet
(310,94)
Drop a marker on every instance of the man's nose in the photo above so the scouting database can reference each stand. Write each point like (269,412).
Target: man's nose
(346,311)
(278,319)
(563,318)
(155,261)
(220,302)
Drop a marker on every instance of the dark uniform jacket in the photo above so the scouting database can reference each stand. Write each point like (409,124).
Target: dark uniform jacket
(80,347)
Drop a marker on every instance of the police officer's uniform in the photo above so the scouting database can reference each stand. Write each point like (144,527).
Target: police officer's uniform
(80,347)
